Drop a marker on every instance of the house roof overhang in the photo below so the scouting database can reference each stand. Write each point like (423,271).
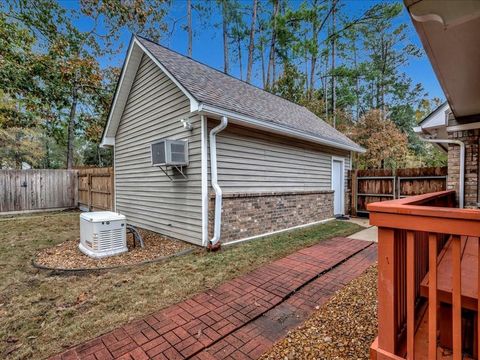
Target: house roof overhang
(450,34)
(434,125)
(129,69)
(240,119)
(134,55)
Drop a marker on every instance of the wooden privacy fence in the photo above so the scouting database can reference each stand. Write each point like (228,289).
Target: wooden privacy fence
(30,190)
(368,186)
(48,189)
(95,189)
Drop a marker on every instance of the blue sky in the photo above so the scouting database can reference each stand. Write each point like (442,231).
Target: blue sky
(207,43)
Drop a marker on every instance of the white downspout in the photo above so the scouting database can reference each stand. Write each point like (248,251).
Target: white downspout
(461,189)
(214,180)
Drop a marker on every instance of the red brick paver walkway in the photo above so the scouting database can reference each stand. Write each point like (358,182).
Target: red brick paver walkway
(241,318)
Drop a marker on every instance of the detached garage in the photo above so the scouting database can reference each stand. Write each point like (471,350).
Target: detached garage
(206,158)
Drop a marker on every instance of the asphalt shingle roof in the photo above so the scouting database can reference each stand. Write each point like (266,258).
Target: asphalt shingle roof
(212,87)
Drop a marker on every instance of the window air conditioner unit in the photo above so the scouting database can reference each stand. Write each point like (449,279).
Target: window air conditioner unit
(170,153)
(102,233)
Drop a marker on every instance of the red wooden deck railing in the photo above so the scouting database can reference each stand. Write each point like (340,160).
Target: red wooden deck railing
(413,233)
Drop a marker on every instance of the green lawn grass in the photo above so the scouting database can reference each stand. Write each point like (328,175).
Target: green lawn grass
(42,314)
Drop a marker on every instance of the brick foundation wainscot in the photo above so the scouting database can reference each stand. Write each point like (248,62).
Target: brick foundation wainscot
(250,214)
(471,138)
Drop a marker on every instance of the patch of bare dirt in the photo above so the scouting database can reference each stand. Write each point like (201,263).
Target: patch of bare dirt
(67,255)
(344,328)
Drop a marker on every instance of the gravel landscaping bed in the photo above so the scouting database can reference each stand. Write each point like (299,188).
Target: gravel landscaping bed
(67,255)
(344,328)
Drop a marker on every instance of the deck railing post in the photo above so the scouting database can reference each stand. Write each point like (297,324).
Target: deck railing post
(387,300)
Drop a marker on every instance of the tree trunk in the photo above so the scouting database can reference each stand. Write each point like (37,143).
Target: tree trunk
(252,41)
(357,80)
(262,57)
(313,64)
(226,64)
(274,69)
(189,27)
(239,50)
(377,94)
(334,92)
(271,59)
(47,153)
(313,61)
(306,70)
(382,80)
(325,94)
(71,128)
(316,29)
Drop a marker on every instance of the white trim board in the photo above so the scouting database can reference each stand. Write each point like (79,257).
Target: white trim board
(342,160)
(193,102)
(277,232)
(114,181)
(129,70)
(470,126)
(135,53)
(204,169)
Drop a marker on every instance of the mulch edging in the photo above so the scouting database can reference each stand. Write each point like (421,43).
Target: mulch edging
(94,269)
(66,257)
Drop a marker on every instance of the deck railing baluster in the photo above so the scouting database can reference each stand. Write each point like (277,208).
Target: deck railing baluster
(411,294)
(432,297)
(456,297)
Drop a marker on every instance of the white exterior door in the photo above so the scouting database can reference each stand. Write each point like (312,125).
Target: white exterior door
(338,185)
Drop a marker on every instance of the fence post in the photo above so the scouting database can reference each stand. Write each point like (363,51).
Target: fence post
(112,189)
(353,202)
(76,181)
(89,182)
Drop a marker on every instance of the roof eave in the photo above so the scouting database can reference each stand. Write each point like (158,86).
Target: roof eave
(447,32)
(274,128)
(193,101)
(122,90)
(104,143)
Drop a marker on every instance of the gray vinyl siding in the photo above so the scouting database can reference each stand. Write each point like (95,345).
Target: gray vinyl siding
(144,193)
(252,161)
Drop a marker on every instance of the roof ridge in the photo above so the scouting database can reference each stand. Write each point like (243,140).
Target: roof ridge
(223,73)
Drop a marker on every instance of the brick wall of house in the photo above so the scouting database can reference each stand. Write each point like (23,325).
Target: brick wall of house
(471,139)
(245,215)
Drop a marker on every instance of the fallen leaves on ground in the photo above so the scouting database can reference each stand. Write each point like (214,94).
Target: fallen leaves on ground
(67,255)
(344,328)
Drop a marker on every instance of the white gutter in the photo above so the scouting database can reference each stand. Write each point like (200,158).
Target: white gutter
(214,179)
(462,164)
(274,127)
